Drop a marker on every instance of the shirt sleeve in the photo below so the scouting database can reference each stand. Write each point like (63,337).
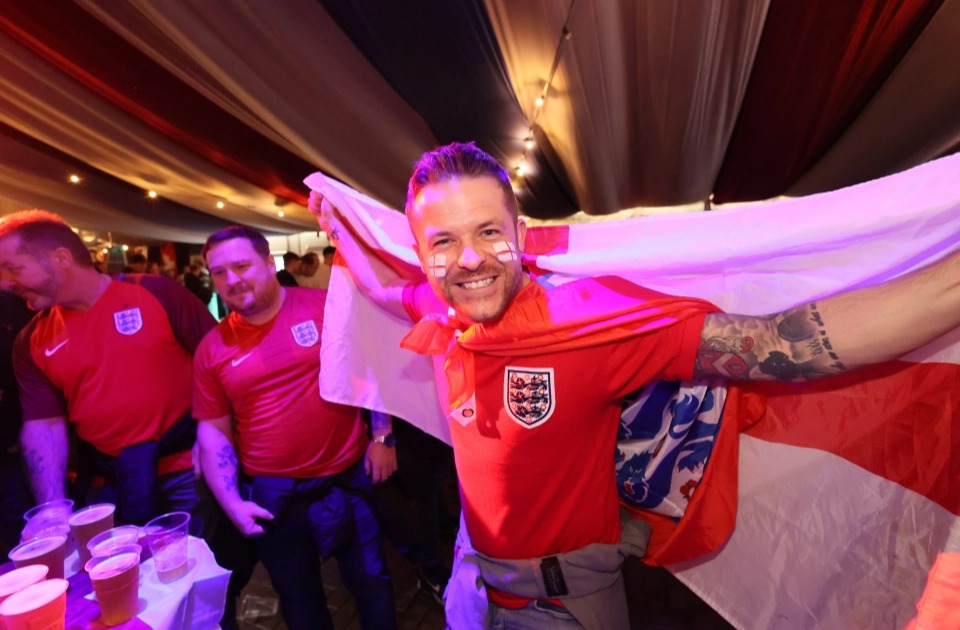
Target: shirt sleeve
(209,398)
(188,316)
(39,397)
(667,354)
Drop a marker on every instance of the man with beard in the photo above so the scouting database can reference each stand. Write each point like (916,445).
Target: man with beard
(306,463)
(509,356)
(82,359)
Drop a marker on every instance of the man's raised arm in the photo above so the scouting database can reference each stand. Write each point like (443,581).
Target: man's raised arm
(835,334)
(373,277)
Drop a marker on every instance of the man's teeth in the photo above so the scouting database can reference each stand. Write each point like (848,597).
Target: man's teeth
(477,284)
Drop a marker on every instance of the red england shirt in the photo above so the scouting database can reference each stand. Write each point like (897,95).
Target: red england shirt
(121,370)
(267,378)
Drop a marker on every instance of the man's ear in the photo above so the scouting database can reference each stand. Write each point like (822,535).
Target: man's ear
(521,233)
(62,257)
(423,263)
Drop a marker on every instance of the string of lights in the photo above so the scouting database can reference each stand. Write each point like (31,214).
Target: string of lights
(529,142)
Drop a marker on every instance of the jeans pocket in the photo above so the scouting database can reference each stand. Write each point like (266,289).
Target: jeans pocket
(271,497)
(332,521)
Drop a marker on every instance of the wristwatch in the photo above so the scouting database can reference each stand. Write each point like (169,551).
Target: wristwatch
(387,439)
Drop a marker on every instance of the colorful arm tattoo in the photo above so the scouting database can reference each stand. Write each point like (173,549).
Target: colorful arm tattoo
(789,346)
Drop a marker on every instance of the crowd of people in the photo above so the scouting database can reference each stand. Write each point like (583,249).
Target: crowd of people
(84,423)
(289,478)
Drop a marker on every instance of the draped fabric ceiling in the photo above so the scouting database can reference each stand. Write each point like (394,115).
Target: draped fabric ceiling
(648,103)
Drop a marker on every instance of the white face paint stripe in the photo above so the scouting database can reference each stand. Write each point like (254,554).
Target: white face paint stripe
(505,251)
(437,265)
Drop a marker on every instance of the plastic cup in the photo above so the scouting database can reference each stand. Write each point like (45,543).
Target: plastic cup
(48,519)
(42,606)
(87,523)
(49,550)
(103,543)
(14,581)
(167,539)
(116,581)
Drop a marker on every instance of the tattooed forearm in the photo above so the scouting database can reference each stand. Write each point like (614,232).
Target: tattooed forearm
(790,346)
(228,458)
(227,462)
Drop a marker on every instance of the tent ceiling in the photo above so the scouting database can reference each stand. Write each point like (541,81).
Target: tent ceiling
(648,104)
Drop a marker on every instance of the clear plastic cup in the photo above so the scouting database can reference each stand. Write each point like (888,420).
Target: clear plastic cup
(87,523)
(116,581)
(42,606)
(167,538)
(103,543)
(49,550)
(48,519)
(14,581)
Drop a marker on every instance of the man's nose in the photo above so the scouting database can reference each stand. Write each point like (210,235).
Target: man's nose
(469,258)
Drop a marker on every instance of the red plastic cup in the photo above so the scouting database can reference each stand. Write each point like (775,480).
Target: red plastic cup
(15,581)
(103,543)
(42,606)
(116,581)
(49,550)
(87,523)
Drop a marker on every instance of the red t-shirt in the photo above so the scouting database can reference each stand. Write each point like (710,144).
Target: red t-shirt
(121,370)
(536,465)
(267,378)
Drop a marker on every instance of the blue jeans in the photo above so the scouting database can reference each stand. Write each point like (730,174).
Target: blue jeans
(323,516)
(537,615)
(178,493)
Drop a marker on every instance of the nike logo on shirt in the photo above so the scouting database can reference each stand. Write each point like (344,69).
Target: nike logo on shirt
(236,362)
(52,351)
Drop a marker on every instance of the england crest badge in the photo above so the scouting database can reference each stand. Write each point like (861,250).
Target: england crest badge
(128,322)
(305,333)
(529,396)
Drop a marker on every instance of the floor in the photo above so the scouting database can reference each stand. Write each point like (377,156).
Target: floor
(657,600)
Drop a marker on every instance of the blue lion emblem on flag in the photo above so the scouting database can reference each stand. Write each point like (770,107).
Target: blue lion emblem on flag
(667,432)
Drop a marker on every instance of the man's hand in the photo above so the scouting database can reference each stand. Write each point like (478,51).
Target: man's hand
(326,214)
(245,516)
(380,461)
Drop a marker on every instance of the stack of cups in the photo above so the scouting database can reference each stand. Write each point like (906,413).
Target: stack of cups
(115,577)
(50,551)
(87,523)
(167,538)
(41,606)
(45,537)
(48,519)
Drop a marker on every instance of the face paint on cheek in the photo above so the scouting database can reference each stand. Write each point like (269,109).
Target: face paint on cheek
(437,265)
(506,251)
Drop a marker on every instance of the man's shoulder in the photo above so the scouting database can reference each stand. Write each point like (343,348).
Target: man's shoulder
(305,298)
(215,341)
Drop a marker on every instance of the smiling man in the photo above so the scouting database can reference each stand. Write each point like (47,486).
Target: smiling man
(299,477)
(530,373)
